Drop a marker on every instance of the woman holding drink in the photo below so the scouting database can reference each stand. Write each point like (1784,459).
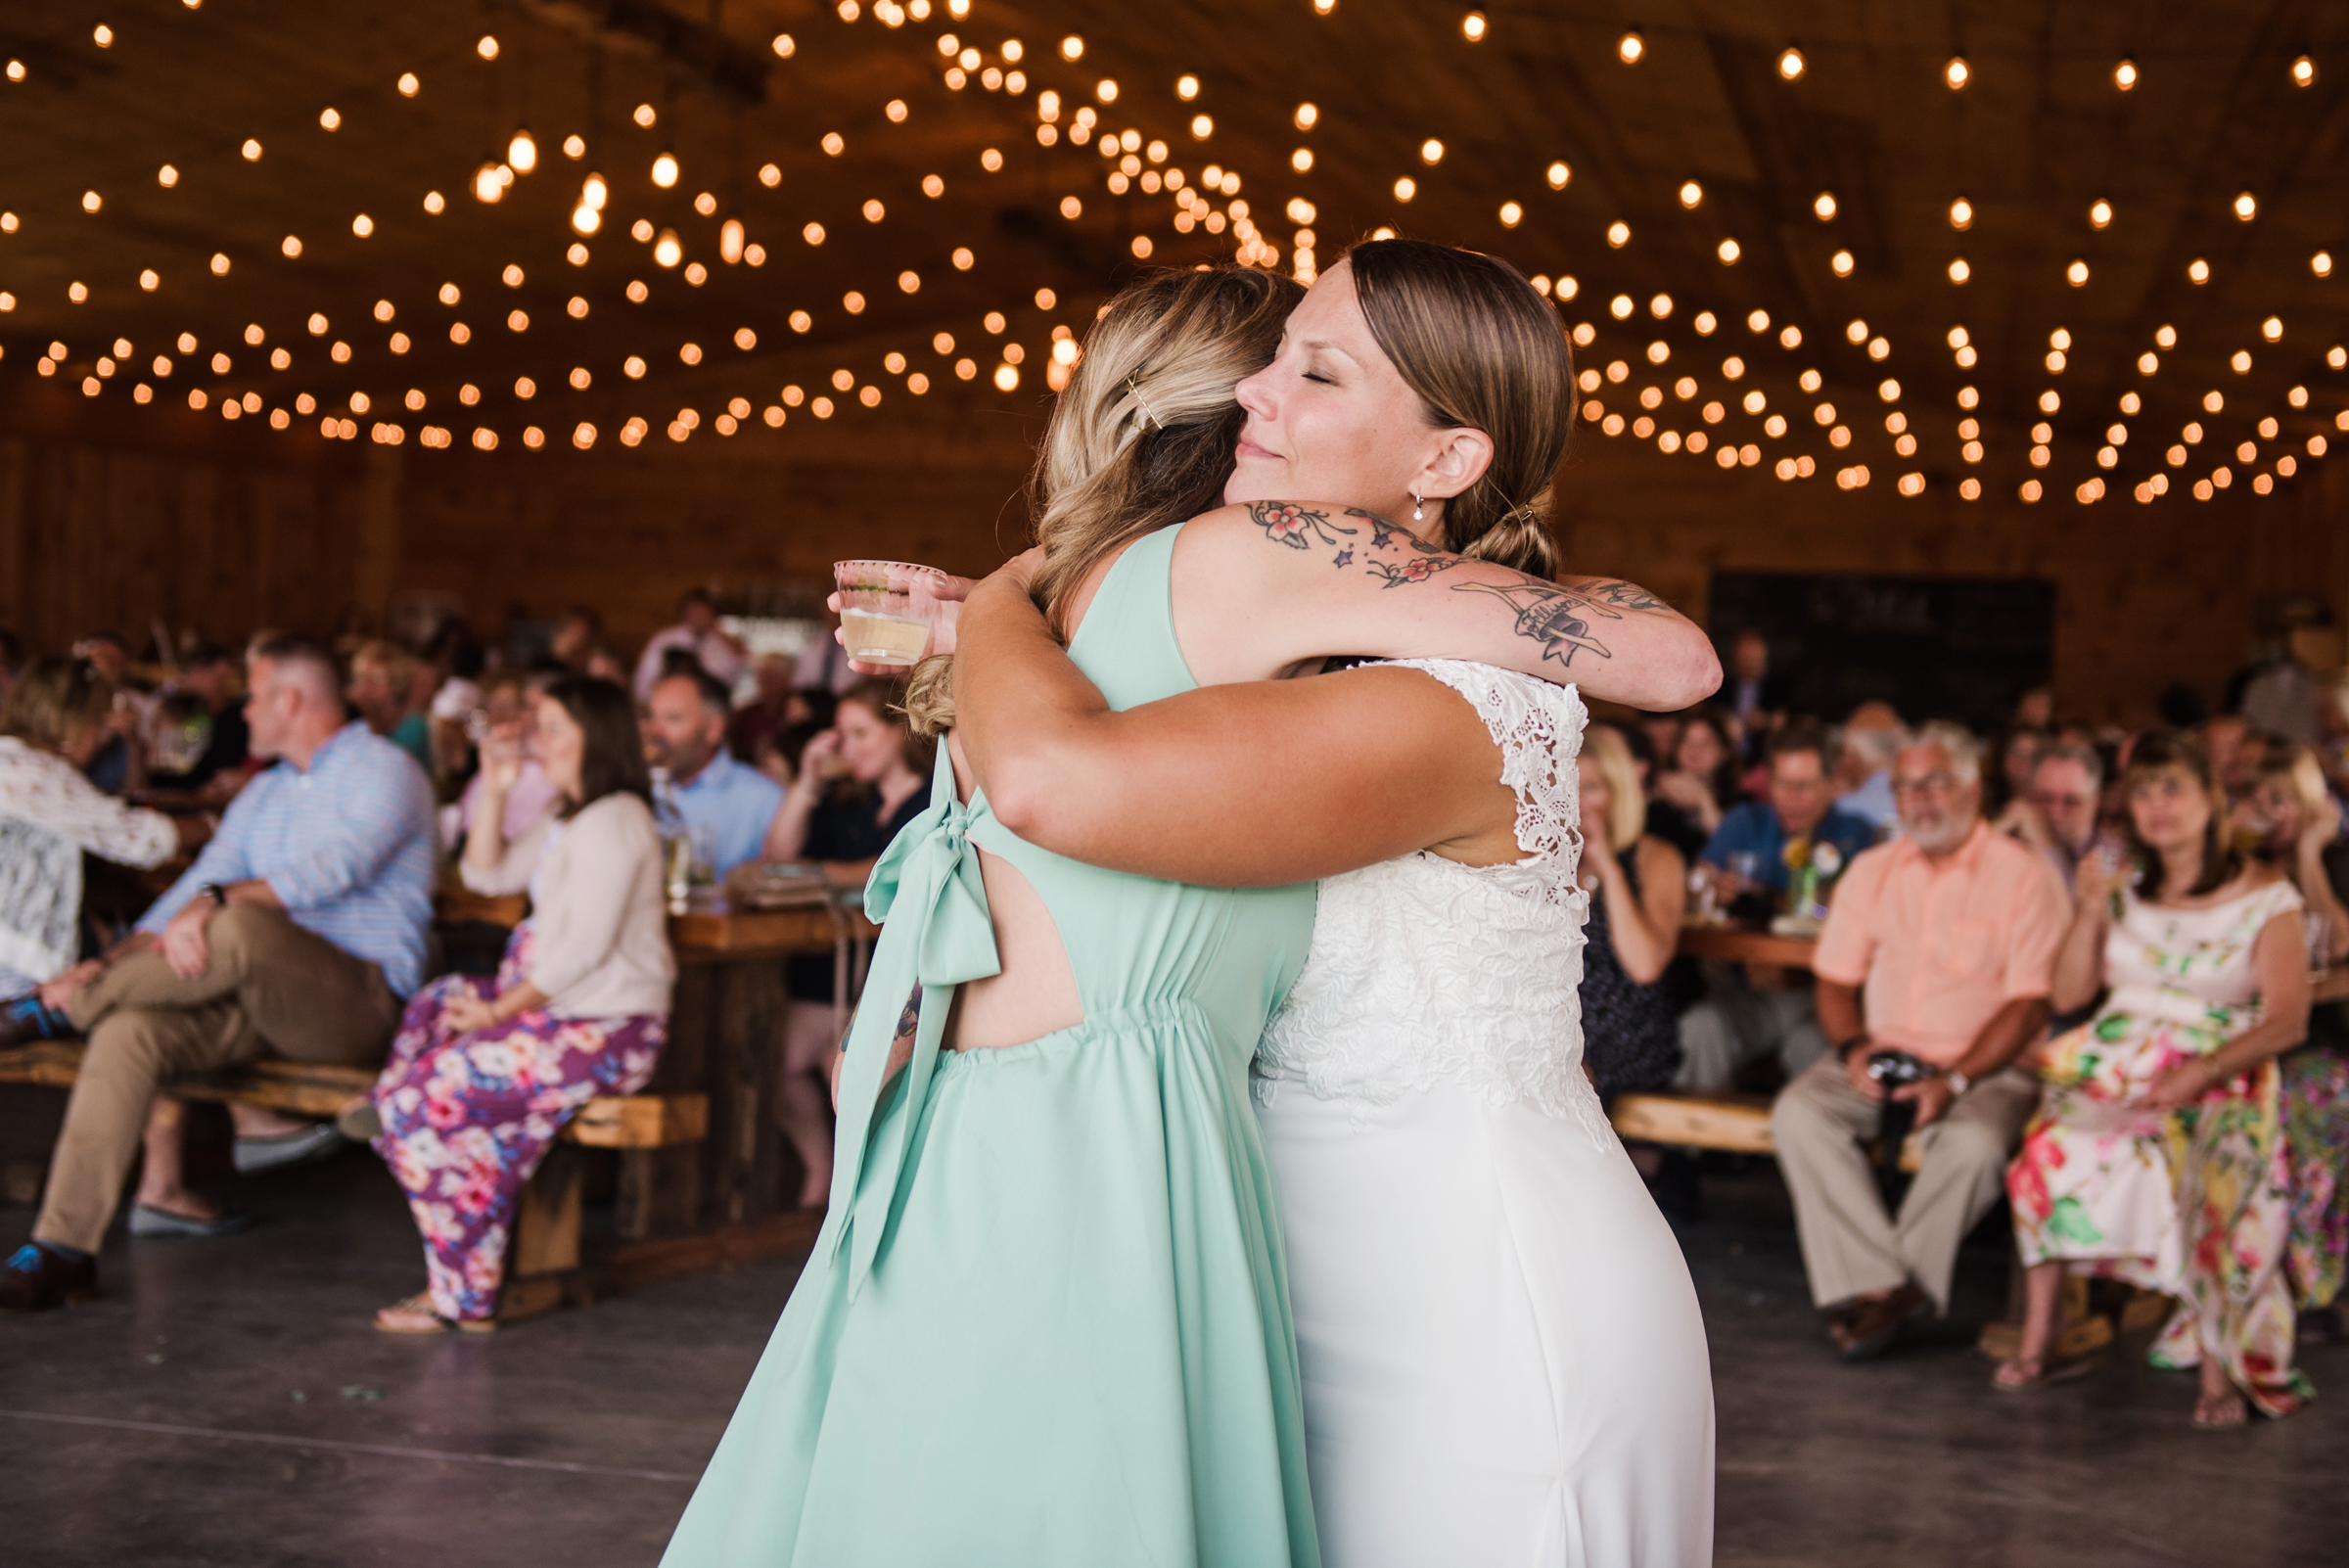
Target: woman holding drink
(1049,1294)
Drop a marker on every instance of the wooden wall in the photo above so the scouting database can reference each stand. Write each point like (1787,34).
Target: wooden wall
(97,531)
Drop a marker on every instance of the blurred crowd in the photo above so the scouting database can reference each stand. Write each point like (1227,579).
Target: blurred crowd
(299,811)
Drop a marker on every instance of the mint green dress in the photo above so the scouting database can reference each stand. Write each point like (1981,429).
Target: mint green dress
(1046,1322)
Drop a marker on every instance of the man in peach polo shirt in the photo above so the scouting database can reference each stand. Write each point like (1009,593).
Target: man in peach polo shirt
(1941,944)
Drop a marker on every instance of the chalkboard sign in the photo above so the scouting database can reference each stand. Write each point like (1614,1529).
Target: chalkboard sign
(1955,648)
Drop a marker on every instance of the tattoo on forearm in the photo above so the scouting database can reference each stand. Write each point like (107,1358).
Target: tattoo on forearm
(1557,619)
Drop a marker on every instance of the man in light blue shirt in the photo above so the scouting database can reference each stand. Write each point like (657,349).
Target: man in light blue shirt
(728,807)
(297,933)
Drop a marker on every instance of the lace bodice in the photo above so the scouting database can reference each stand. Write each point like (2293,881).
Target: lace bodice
(1426,971)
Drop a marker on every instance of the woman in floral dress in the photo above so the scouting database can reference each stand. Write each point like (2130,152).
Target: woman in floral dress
(2300,824)
(481,1079)
(2157,1154)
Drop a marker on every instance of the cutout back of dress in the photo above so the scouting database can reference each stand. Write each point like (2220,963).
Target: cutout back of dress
(1134,941)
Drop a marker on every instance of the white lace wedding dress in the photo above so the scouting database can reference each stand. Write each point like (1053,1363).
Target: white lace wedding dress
(1502,1354)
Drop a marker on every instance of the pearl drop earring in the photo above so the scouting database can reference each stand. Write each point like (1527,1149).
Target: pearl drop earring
(1418,515)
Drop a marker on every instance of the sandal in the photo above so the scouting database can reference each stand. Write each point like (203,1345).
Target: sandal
(2221,1412)
(417,1316)
(2011,1377)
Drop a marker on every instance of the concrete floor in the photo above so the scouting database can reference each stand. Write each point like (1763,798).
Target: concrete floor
(226,1403)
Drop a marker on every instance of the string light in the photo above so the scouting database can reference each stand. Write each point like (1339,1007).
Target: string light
(2303,73)
(2123,76)
(1823,204)
(1472,27)
(1962,213)
(1631,48)
(1957,74)
(1791,63)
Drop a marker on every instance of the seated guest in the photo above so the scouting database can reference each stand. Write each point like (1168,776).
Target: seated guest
(2058,815)
(1659,817)
(2301,838)
(2033,708)
(482,1076)
(454,701)
(2017,752)
(1757,697)
(383,681)
(579,633)
(1700,775)
(1939,945)
(1638,885)
(50,812)
(698,633)
(859,783)
(1863,753)
(2157,1156)
(2234,750)
(207,675)
(1745,860)
(118,763)
(773,706)
(504,714)
(295,933)
(728,806)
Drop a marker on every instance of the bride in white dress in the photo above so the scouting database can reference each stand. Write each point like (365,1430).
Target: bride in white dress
(1502,1356)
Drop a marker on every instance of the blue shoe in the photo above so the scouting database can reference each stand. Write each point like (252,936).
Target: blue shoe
(36,1278)
(25,1021)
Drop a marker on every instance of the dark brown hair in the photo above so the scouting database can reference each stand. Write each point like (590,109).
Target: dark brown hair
(611,747)
(884,700)
(56,699)
(1484,351)
(2159,751)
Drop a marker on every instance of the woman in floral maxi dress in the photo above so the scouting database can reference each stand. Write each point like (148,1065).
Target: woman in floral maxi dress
(482,1078)
(2157,1154)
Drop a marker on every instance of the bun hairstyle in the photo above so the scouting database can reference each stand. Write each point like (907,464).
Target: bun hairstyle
(1482,350)
(1142,436)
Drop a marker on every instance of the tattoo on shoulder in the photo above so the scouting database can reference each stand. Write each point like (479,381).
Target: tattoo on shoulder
(1413,560)
(1626,595)
(1300,527)
(1558,619)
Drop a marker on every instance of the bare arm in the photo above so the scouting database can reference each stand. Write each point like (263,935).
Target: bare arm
(1645,930)
(1264,587)
(2080,961)
(2279,954)
(1256,784)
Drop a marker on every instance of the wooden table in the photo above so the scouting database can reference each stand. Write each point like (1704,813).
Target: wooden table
(1772,962)
(726,1041)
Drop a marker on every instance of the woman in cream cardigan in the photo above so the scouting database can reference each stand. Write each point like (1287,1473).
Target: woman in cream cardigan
(482,1078)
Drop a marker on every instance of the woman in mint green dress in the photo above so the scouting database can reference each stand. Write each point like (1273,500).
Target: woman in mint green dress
(1046,1320)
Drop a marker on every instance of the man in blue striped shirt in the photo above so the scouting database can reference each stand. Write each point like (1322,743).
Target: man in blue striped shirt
(298,931)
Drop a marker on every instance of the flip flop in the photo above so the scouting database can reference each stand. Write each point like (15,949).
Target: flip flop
(422,1304)
(2053,1370)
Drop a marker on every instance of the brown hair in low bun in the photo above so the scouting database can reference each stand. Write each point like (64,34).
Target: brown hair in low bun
(1484,352)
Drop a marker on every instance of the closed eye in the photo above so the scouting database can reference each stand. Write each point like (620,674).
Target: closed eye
(1315,376)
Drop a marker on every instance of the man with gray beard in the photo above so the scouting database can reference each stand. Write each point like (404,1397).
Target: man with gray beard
(1937,952)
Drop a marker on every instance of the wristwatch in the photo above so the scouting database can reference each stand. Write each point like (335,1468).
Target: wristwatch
(1958,1082)
(216,893)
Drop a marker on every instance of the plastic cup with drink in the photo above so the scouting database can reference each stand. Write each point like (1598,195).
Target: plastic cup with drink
(887,610)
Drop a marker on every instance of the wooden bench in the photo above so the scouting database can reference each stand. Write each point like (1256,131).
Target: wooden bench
(1734,1124)
(544,1254)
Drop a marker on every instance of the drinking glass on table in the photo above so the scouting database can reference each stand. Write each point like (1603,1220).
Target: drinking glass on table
(888,609)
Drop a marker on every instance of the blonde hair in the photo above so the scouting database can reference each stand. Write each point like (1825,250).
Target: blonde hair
(1482,350)
(1627,805)
(396,663)
(56,700)
(1142,435)
(2295,769)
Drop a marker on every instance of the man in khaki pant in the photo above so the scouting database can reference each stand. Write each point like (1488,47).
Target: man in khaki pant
(297,933)
(1940,944)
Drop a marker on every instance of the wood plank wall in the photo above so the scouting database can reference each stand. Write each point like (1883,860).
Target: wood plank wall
(98,534)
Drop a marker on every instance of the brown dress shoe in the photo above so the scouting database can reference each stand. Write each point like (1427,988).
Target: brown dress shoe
(36,1278)
(1868,1328)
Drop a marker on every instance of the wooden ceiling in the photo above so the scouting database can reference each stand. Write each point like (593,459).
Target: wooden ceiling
(2039,134)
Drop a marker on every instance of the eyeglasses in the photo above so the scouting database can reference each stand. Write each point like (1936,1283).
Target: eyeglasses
(1930,784)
